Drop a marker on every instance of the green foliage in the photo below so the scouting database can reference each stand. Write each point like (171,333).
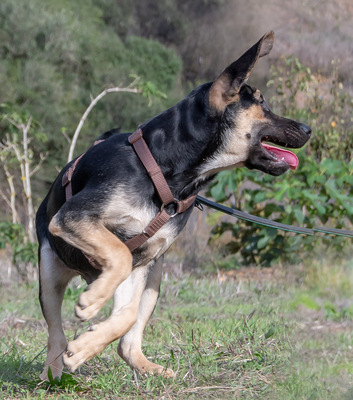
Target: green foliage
(66,381)
(15,236)
(160,64)
(150,91)
(318,193)
(60,53)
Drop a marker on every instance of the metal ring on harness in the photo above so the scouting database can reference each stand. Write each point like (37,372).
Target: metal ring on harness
(175,202)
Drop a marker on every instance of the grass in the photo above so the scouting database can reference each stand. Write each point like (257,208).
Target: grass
(284,333)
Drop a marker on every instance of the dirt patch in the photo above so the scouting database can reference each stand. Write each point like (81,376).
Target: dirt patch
(259,275)
(251,274)
(314,323)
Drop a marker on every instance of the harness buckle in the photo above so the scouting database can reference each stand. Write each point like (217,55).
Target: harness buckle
(175,202)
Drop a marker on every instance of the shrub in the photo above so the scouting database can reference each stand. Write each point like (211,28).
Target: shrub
(15,235)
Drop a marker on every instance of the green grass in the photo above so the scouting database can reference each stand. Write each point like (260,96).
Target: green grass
(288,336)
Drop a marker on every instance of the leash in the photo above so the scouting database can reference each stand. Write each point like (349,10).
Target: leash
(268,223)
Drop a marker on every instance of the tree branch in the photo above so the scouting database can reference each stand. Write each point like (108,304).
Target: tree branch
(129,89)
(43,157)
(12,201)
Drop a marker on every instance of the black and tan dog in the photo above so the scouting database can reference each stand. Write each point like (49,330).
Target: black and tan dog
(220,125)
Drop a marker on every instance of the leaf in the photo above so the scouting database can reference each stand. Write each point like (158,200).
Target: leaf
(260,196)
(280,194)
(218,192)
(50,377)
(315,201)
(269,333)
(262,242)
(232,184)
(299,216)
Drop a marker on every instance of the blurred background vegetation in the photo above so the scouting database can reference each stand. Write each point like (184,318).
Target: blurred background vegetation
(55,56)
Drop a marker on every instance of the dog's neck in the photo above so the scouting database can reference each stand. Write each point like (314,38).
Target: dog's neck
(188,154)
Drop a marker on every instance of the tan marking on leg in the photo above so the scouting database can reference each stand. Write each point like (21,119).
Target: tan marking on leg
(129,347)
(110,252)
(54,276)
(122,319)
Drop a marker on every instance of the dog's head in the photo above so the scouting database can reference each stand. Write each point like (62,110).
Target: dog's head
(247,124)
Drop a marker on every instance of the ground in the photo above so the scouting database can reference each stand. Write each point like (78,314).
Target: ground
(276,333)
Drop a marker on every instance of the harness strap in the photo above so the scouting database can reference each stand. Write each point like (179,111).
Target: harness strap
(151,166)
(67,177)
(161,185)
(163,190)
(153,227)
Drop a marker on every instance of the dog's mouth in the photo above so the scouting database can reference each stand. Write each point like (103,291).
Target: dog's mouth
(281,156)
(268,155)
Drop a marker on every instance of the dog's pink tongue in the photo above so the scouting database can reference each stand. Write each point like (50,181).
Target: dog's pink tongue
(290,158)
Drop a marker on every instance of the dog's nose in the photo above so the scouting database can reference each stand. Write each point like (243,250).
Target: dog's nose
(305,129)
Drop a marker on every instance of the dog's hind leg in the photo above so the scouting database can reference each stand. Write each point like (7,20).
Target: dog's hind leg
(130,344)
(53,279)
(91,237)
(123,317)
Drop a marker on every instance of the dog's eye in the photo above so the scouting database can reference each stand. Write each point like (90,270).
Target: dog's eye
(262,100)
(263,104)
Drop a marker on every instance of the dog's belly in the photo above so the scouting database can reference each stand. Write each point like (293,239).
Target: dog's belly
(75,259)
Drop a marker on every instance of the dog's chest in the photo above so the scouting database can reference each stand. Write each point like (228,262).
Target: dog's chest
(127,216)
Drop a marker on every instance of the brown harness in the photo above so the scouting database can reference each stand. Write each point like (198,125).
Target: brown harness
(161,185)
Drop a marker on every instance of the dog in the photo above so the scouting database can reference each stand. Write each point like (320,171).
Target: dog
(220,125)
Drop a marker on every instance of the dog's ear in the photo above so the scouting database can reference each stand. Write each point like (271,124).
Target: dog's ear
(225,88)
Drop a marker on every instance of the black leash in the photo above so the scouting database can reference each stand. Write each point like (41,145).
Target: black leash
(266,222)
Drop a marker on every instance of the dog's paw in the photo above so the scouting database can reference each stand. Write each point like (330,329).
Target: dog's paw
(155,369)
(88,305)
(56,372)
(165,372)
(134,357)
(82,349)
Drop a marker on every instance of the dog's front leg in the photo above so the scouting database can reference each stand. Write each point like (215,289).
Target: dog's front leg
(121,320)
(91,237)
(130,344)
